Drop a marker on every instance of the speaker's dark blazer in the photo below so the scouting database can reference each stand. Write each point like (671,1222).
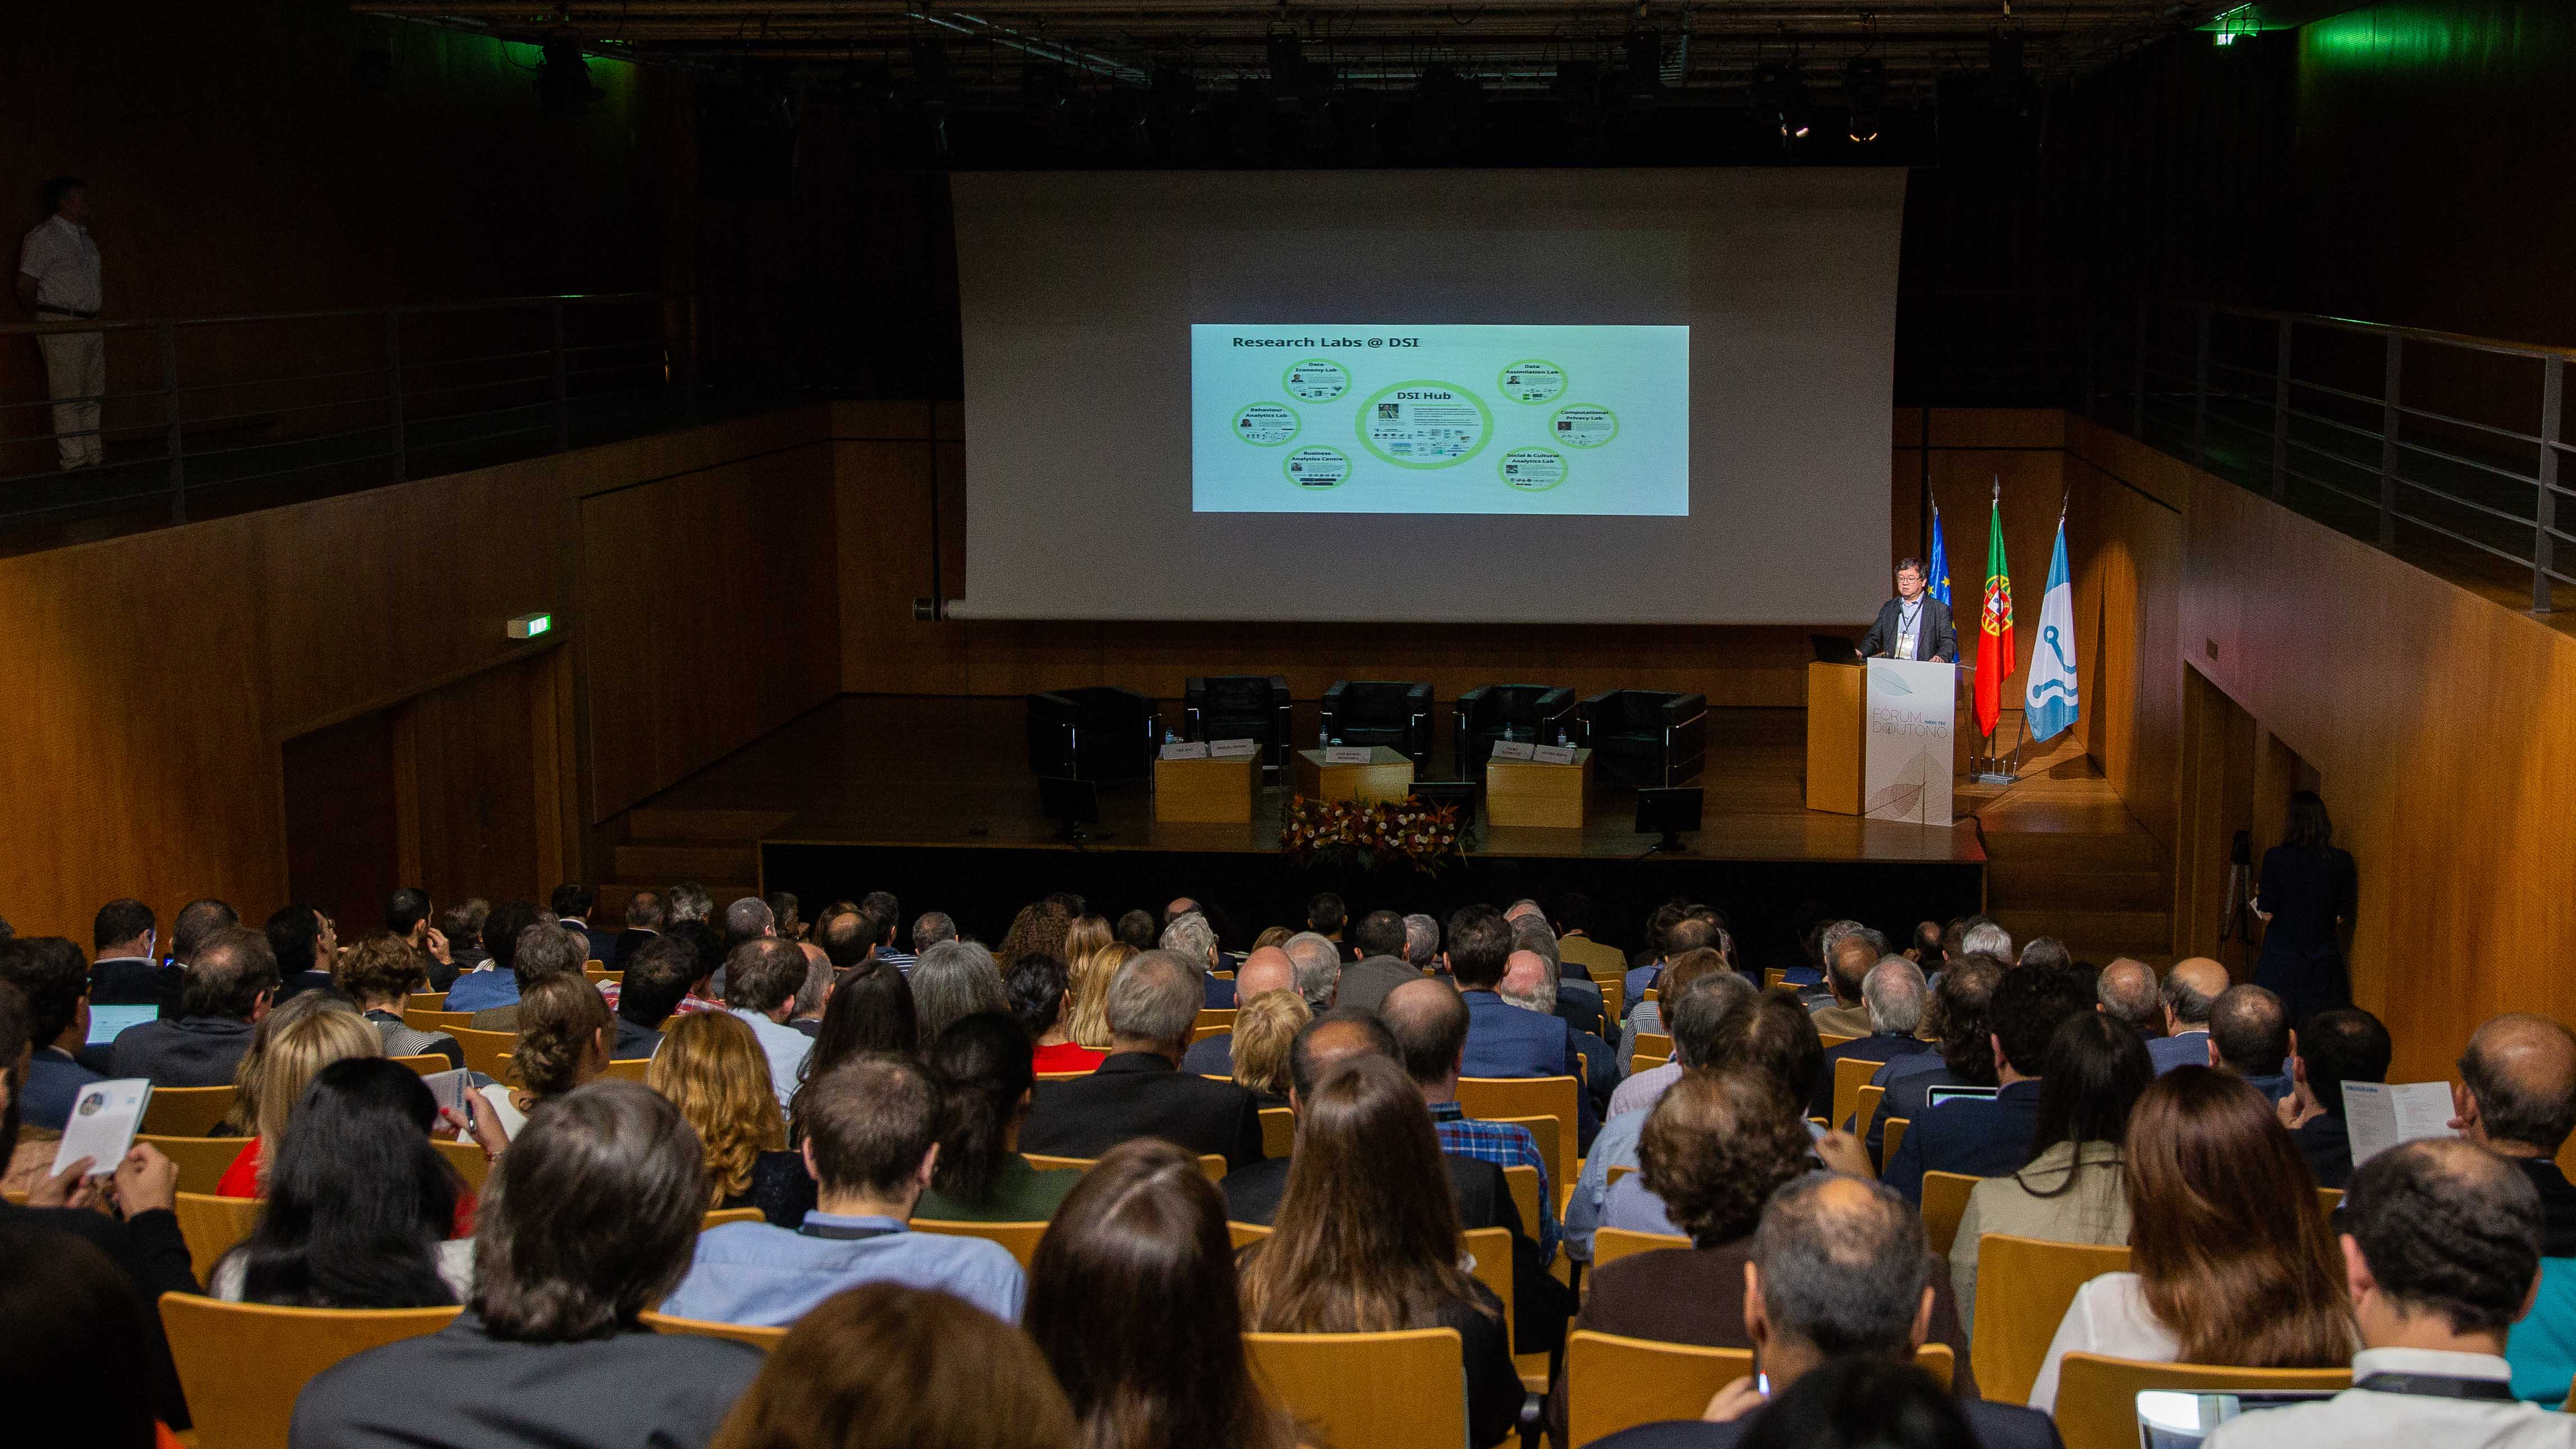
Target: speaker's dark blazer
(1935,640)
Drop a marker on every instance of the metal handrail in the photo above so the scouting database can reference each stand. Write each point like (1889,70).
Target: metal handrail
(405,309)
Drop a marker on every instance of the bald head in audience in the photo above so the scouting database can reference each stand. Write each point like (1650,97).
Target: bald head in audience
(2516,1093)
(1848,965)
(2249,1032)
(1895,994)
(2190,989)
(1266,969)
(1430,1025)
(1525,982)
(2127,990)
(1328,1039)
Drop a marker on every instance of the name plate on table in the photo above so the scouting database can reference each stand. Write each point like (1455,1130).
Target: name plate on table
(1233,749)
(1347,755)
(1553,754)
(1513,750)
(1192,750)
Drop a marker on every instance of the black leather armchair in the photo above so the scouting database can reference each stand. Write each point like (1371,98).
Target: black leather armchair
(1490,712)
(1642,739)
(1241,707)
(1098,733)
(1393,713)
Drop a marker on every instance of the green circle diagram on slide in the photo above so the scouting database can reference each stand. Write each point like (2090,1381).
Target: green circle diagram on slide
(1583,425)
(1532,470)
(1316,380)
(1424,423)
(1268,424)
(1316,466)
(1531,380)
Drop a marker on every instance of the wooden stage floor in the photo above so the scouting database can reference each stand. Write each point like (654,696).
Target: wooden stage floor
(927,773)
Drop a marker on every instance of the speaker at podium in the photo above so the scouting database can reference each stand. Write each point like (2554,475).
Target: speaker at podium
(1879,738)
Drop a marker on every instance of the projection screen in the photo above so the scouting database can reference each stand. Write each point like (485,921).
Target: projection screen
(1512,396)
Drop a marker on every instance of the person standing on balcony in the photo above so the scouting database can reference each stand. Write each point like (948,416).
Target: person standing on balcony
(58,282)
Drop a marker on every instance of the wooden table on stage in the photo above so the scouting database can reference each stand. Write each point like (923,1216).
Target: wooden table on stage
(1387,776)
(1525,792)
(1206,792)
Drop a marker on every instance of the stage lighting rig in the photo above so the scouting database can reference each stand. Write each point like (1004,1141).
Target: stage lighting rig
(1865,89)
(1780,97)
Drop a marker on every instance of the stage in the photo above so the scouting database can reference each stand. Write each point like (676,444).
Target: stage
(931,798)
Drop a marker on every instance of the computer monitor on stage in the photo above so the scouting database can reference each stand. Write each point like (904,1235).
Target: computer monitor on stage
(1457,794)
(1668,812)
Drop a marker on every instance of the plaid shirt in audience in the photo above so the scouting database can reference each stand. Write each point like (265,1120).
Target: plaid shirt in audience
(1505,1144)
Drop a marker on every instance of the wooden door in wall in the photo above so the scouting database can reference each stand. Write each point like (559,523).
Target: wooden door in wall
(479,783)
(341,854)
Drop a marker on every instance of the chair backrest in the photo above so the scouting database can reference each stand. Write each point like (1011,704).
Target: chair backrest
(1206,1029)
(1522,1184)
(718,1217)
(185,1111)
(202,1161)
(1650,1044)
(1278,1131)
(1609,1245)
(1504,1098)
(1614,989)
(425,1019)
(1864,1106)
(2329,1198)
(597,971)
(629,1069)
(1774,976)
(763,1339)
(427,1064)
(1211,1163)
(1020,1238)
(242,1364)
(212,1225)
(1220,1017)
(485,1049)
(1400,1390)
(1552,1148)
(1492,1250)
(2023,1288)
(467,1158)
(425,1001)
(1243,1233)
(1945,1201)
(1891,1139)
(1644,1063)
(1831,1041)
(1614,1383)
(2097,1397)
(1850,1075)
(1071,1076)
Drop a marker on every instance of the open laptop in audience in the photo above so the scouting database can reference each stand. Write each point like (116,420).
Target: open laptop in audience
(2172,1419)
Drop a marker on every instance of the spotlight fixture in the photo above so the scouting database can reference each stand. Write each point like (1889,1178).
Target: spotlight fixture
(563,80)
(1780,96)
(1865,88)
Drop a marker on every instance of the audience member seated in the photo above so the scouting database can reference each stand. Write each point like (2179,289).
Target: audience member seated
(1139,1091)
(1267,969)
(644,919)
(1530,983)
(1318,960)
(2516,1097)
(871,1011)
(1839,1276)
(2249,1035)
(1990,1137)
(2343,1044)
(1504,1040)
(883,1366)
(1041,993)
(51,974)
(145,1246)
(230,985)
(711,1068)
(1429,1022)
(492,982)
(1853,950)
(462,925)
(1894,995)
(746,920)
(305,943)
(302,1037)
(805,1013)
(1087,1018)
(2090,1078)
(1191,937)
(1379,939)
(2126,992)
(543,949)
(928,930)
(1326,916)
(982,1069)
(952,981)
(361,1209)
(593,1212)
(1707,1002)
(1685,971)
(2232,1260)
(565,1036)
(73,1343)
(1134,1301)
(571,904)
(1367,1237)
(655,981)
(1672,933)
(2440,1253)
(871,1142)
(1963,1023)
(1264,1026)
(762,977)
(1772,1033)
(125,971)
(2190,989)
(1136,929)
(381,971)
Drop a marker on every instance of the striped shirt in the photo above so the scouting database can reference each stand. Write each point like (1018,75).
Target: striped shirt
(1505,1144)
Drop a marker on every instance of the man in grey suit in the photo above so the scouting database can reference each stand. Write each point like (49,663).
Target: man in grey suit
(1913,625)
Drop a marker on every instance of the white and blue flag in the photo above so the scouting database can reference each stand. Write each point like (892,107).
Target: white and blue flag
(2050,704)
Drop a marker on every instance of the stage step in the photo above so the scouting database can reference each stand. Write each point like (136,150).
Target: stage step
(703,860)
(2071,850)
(654,823)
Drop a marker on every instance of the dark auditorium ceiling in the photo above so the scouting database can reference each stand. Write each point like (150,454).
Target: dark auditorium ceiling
(1702,53)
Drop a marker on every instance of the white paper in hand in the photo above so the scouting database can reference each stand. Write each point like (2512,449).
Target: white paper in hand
(450,1089)
(104,1120)
(2379,1116)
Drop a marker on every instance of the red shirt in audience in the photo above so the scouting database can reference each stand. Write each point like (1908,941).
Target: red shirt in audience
(1065,1057)
(242,1180)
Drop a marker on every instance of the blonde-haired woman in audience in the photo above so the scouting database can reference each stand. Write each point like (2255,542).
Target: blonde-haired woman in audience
(243,1119)
(1087,1019)
(1273,936)
(1264,1028)
(1086,935)
(565,1036)
(2234,1262)
(309,1039)
(712,1068)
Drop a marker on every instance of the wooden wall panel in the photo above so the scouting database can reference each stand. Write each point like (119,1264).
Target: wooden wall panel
(485,782)
(2125,550)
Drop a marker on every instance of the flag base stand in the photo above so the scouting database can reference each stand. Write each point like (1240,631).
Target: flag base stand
(1992,769)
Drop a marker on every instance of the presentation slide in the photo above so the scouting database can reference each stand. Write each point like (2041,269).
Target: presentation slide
(1430,418)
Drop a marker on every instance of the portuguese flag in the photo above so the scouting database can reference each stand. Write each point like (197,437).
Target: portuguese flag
(1994,624)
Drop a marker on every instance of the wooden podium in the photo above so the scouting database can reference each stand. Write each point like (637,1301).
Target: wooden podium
(1207,792)
(1526,792)
(1387,776)
(1879,739)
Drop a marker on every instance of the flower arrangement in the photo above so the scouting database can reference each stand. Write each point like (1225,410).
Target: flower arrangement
(1367,833)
